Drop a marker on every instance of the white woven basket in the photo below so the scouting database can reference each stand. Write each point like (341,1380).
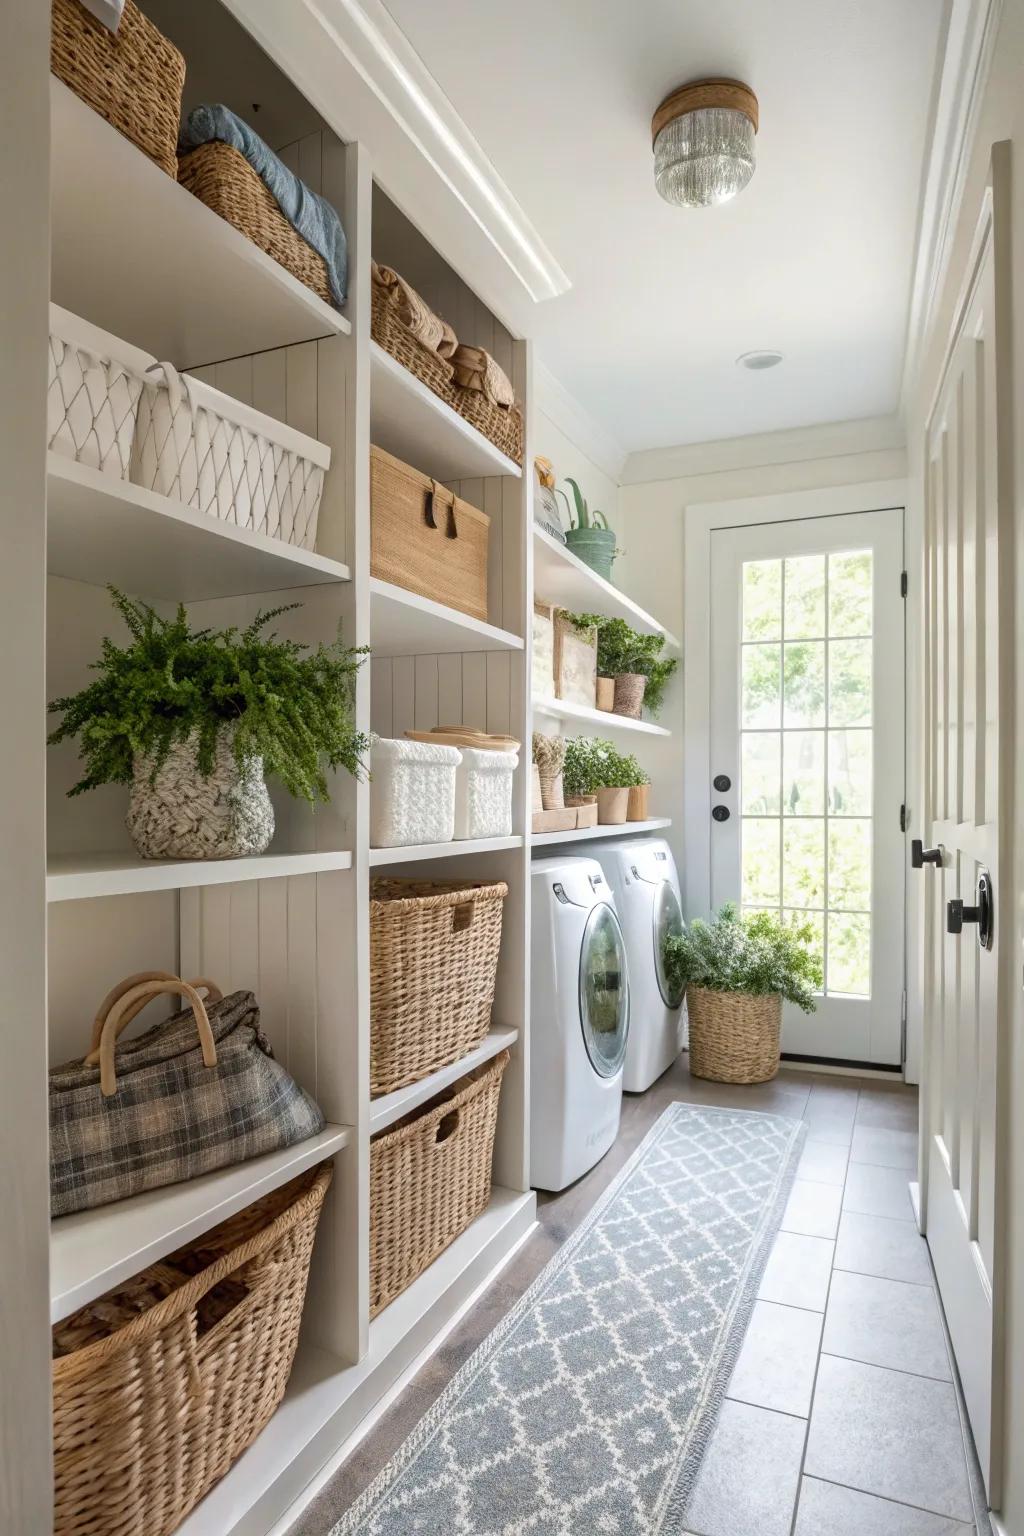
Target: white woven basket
(220,457)
(92,397)
(483,793)
(412,793)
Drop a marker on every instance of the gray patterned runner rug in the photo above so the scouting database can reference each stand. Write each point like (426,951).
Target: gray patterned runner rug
(587,1410)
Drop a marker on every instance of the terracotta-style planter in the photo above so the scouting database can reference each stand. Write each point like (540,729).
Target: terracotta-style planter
(611,807)
(639,796)
(606,694)
(629,694)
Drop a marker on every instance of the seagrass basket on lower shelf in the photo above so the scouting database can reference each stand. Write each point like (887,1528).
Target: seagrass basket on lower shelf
(161,1384)
(430,1178)
(734,1036)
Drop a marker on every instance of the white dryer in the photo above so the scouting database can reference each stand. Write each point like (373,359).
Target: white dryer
(642,874)
(579,1020)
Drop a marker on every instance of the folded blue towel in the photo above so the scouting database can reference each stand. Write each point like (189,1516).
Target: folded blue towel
(308,213)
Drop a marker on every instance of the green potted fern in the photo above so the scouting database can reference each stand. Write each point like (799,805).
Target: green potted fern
(736,971)
(588,534)
(631,662)
(194,720)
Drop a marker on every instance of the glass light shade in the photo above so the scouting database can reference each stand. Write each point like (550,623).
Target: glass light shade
(704,157)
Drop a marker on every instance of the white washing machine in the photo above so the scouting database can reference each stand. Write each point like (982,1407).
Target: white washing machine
(579,1020)
(642,874)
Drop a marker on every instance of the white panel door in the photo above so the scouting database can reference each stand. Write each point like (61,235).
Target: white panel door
(807,759)
(968,726)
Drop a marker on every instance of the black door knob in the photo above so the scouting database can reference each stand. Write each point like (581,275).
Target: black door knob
(957,914)
(920,855)
(722,782)
(720,812)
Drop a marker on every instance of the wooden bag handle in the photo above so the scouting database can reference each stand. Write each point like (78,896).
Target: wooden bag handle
(213,995)
(129,1002)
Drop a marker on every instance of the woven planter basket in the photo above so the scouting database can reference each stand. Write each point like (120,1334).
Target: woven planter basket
(498,423)
(430,1178)
(177,814)
(222,178)
(388,332)
(433,961)
(629,694)
(734,1037)
(161,1384)
(132,77)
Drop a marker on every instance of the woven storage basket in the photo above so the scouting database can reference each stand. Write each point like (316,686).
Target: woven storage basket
(734,1037)
(501,425)
(433,960)
(430,1178)
(389,332)
(161,1384)
(94,382)
(132,77)
(412,792)
(629,694)
(222,178)
(426,539)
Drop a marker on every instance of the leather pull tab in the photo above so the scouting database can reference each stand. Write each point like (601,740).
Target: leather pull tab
(428,511)
(451,530)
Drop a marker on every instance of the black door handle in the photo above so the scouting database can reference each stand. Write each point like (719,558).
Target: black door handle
(920,855)
(957,914)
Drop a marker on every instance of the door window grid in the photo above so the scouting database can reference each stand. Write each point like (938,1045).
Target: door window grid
(781,808)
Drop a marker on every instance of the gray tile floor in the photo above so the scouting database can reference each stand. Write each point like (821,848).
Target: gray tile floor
(841,1417)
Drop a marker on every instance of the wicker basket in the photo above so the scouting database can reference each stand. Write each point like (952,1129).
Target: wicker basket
(430,1178)
(426,539)
(222,178)
(161,1384)
(501,425)
(133,78)
(629,694)
(433,961)
(388,332)
(734,1037)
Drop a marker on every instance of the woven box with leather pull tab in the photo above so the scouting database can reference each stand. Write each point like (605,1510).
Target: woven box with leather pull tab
(425,538)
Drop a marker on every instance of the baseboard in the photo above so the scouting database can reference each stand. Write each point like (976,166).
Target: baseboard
(842,1068)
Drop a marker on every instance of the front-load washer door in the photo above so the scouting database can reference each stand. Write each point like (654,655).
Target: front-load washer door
(604,991)
(668,921)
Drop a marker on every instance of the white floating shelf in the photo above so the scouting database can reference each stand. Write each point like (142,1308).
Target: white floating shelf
(410,421)
(443,850)
(392,1106)
(136,253)
(588,834)
(600,719)
(92,1251)
(404,624)
(562,578)
(104,530)
(75,877)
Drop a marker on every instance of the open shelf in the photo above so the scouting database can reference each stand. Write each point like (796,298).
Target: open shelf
(588,834)
(92,1251)
(390,1107)
(562,578)
(77,876)
(443,850)
(601,719)
(404,624)
(136,253)
(102,530)
(410,421)
(326,1398)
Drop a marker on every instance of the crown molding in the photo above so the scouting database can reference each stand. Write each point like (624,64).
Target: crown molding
(555,402)
(967,56)
(796,445)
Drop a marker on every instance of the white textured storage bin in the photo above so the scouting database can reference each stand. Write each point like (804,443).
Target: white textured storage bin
(412,793)
(483,793)
(221,457)
(92,393)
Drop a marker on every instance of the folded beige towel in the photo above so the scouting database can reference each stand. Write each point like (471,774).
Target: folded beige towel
(476,369)
(429,329)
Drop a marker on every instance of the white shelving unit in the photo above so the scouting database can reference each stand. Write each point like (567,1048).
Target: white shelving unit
(599,720)
(561,578)
(79,877)
(464,849)
(404,624)
(410,421)
(384,1111)
(589,834)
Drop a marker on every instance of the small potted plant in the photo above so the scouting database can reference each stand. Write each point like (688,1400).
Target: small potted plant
(580,775)
(631,662)
(194,721)
(639,794)
(588,534)
(736,971)
(616,774)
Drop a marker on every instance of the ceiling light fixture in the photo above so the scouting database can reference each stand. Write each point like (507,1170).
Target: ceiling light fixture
(758,361)
(704,142)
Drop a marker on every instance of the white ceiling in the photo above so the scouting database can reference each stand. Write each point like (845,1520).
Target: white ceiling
(814,258)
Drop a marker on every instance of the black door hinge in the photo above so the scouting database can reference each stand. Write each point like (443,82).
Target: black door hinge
(903,583)
(903,818)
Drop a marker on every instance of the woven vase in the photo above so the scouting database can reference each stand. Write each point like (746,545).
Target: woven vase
(629,694)
(178,814)
(734,1037)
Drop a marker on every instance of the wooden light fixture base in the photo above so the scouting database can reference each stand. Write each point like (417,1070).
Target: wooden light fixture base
(701,94)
